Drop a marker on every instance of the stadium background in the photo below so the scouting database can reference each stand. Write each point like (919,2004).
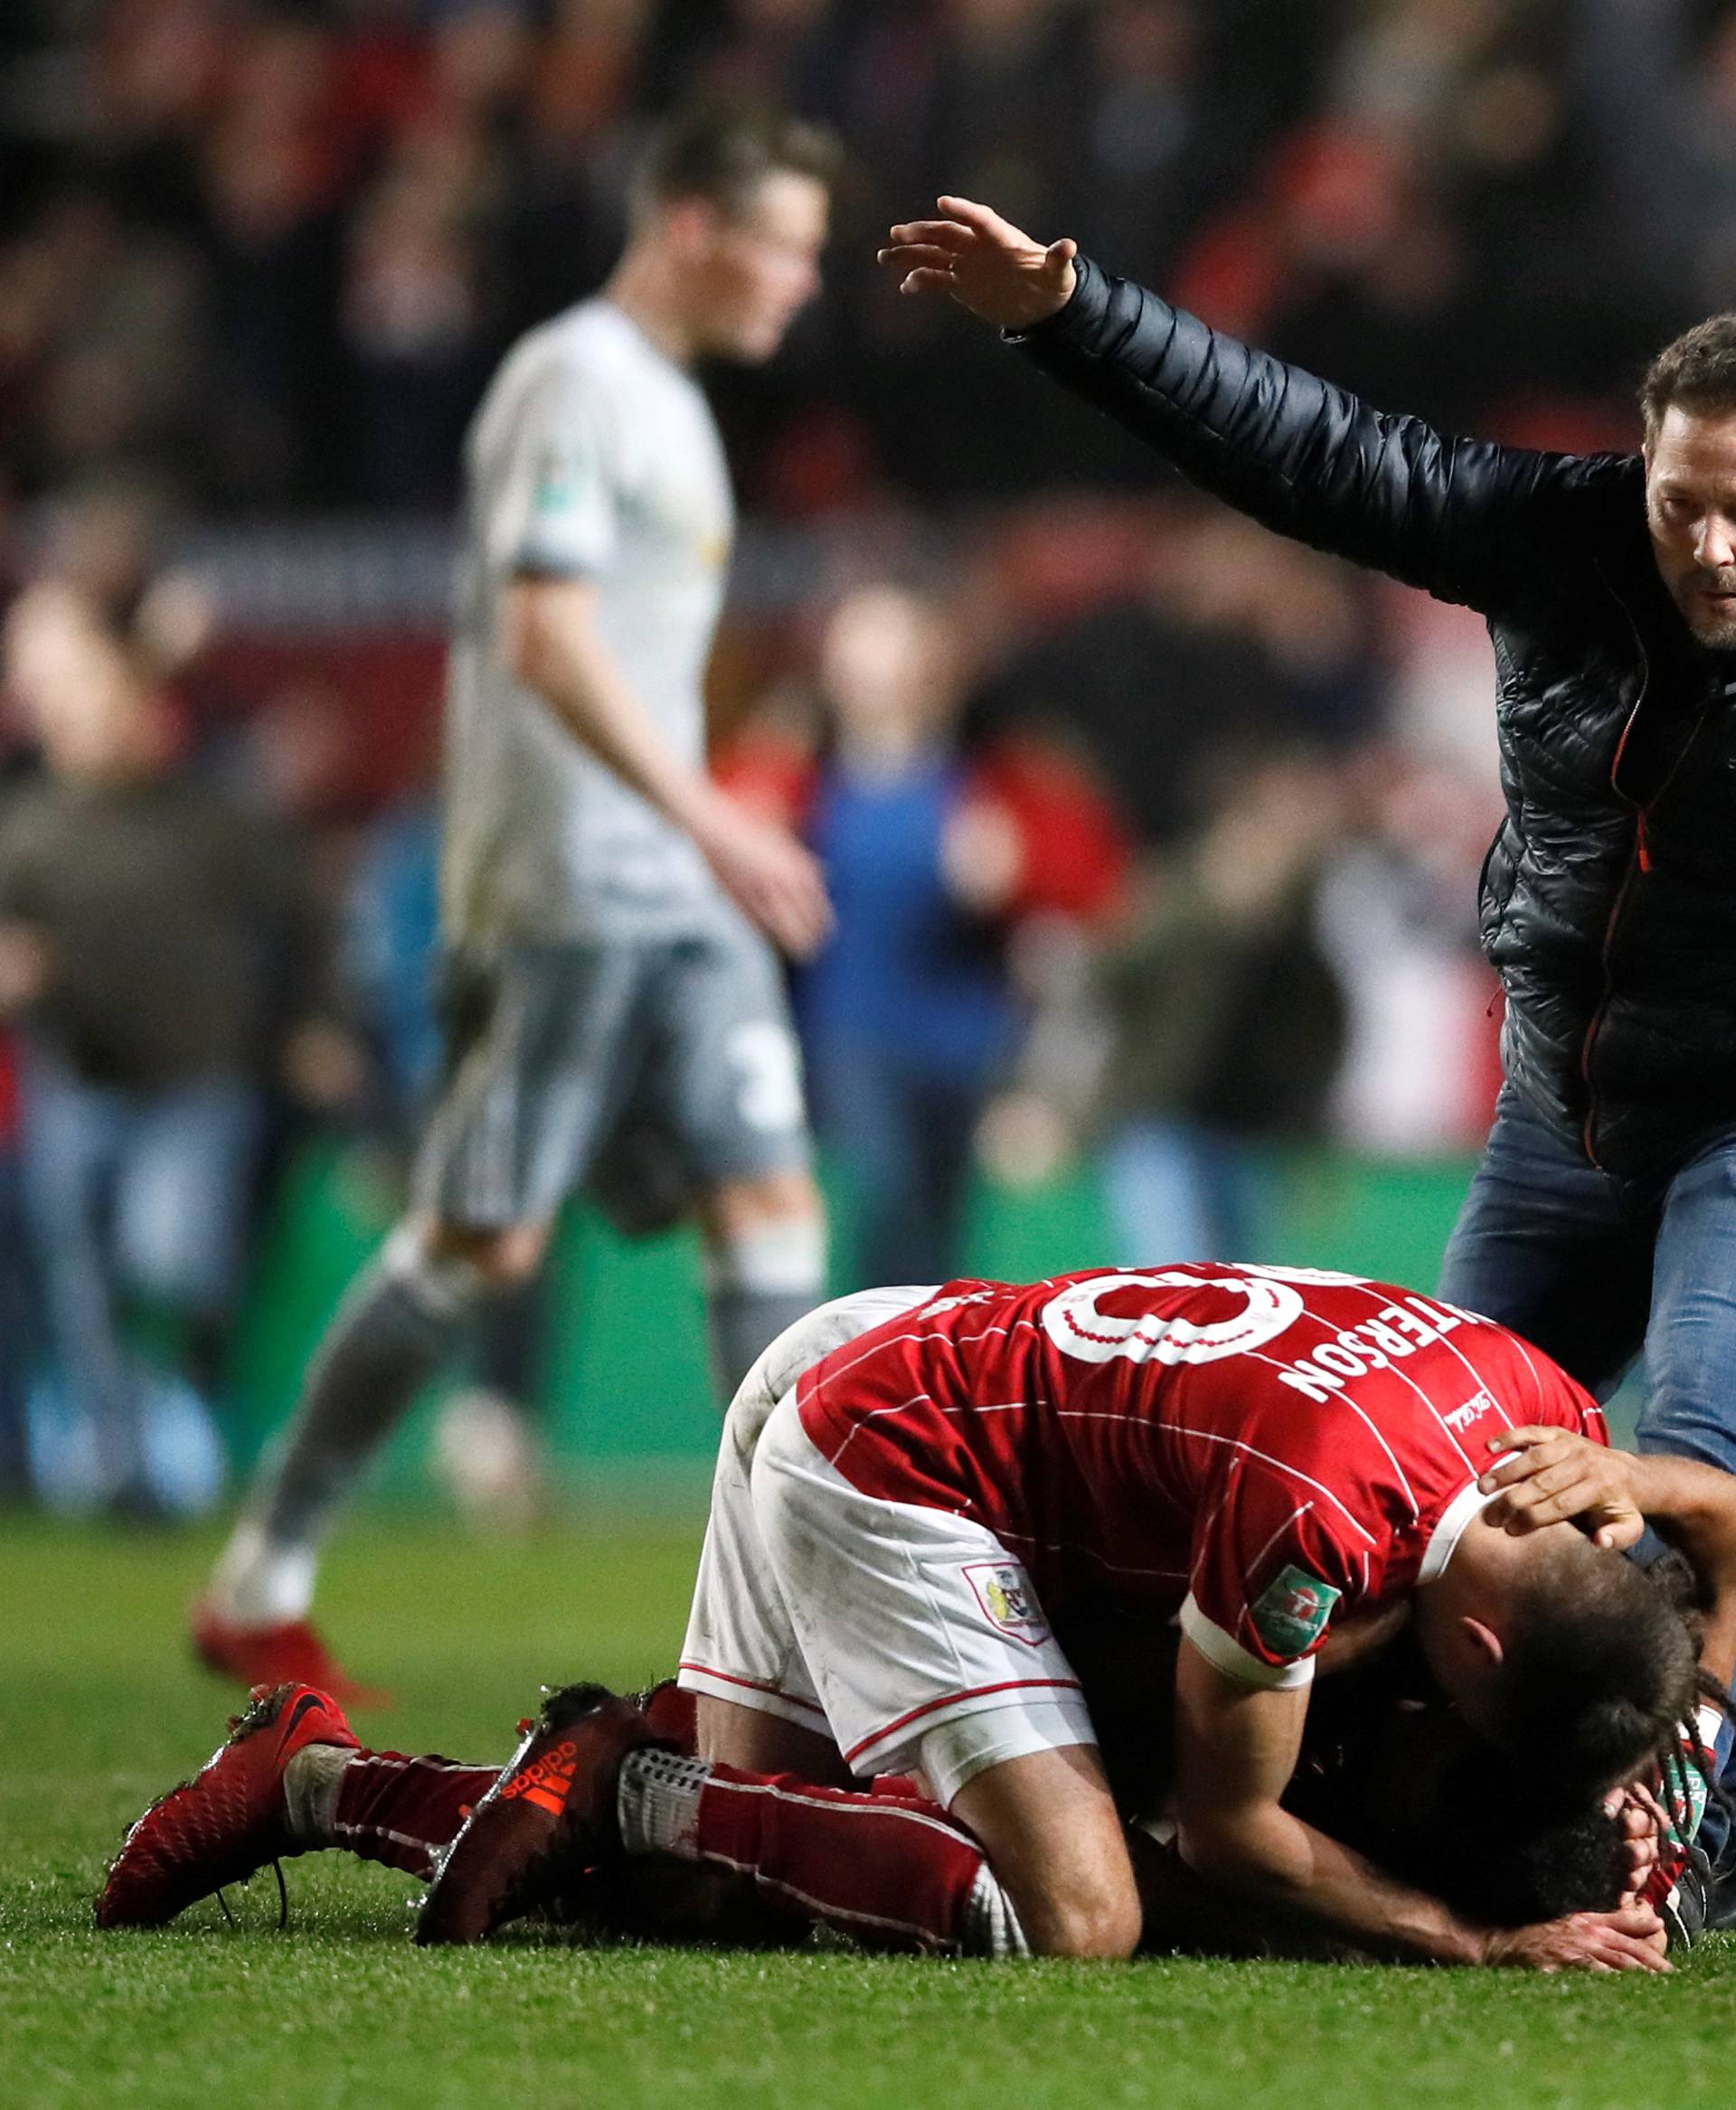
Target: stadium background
(256,262)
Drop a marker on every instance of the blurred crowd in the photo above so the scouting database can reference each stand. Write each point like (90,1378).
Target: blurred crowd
(266,250)
(1153,840)
(1127,872)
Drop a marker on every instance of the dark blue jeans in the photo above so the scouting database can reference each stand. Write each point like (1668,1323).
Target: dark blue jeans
(1594,1270)
(904,1128)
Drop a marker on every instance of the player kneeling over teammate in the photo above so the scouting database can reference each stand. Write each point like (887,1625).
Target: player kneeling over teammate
(913,1484)
(1391,1775)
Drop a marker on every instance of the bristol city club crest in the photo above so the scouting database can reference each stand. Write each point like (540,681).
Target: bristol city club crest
(1003,1589)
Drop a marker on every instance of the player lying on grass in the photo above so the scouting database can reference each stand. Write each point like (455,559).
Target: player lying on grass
(914,1484)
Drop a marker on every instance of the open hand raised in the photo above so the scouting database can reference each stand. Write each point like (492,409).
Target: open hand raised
(984,263)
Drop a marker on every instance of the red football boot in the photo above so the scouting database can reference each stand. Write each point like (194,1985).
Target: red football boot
(229,1820)
(548,1818)
(291,1652)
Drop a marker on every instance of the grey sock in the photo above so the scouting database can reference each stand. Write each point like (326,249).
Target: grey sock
(403,1320)
(740,1322)
(758,1283)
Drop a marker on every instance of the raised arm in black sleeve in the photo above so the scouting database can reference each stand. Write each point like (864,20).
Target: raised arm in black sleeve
(1301,457)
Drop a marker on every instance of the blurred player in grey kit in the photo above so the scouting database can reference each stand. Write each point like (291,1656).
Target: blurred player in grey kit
(616,1017)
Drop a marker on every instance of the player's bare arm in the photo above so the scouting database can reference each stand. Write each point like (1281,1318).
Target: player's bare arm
(1236,1748)
(550,640)
(1552,1476)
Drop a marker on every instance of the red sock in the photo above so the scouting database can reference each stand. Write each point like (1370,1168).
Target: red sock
(673,1715)
(893,1871)
(404,1811)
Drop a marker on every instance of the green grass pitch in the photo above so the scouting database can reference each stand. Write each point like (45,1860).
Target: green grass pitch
(100,1708)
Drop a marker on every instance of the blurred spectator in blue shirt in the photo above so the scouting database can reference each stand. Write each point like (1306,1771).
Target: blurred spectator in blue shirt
(934,857)
(907,1012)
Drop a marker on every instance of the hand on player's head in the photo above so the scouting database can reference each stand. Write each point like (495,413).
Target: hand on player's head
(1554,1476)
(984,262)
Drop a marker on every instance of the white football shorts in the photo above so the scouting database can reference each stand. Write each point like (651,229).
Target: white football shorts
(910,1635)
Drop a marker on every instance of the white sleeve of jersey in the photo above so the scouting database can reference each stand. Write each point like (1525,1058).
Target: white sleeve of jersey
(557,513)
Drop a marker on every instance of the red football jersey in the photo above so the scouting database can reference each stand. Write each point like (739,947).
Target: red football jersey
(1250,1449)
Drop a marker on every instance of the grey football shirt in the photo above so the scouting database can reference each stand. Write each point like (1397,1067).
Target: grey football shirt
(593,457)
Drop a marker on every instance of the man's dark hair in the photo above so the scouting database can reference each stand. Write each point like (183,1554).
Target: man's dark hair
(1697,370)
(722,151)
(1496,1851)
(1600,1668)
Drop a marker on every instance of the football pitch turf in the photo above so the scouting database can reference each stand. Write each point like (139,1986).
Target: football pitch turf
(100,1708)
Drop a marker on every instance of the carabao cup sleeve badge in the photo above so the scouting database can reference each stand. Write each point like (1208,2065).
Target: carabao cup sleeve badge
(1292,1612)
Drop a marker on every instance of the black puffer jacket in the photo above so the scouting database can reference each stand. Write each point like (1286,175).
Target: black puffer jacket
(1608,901)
